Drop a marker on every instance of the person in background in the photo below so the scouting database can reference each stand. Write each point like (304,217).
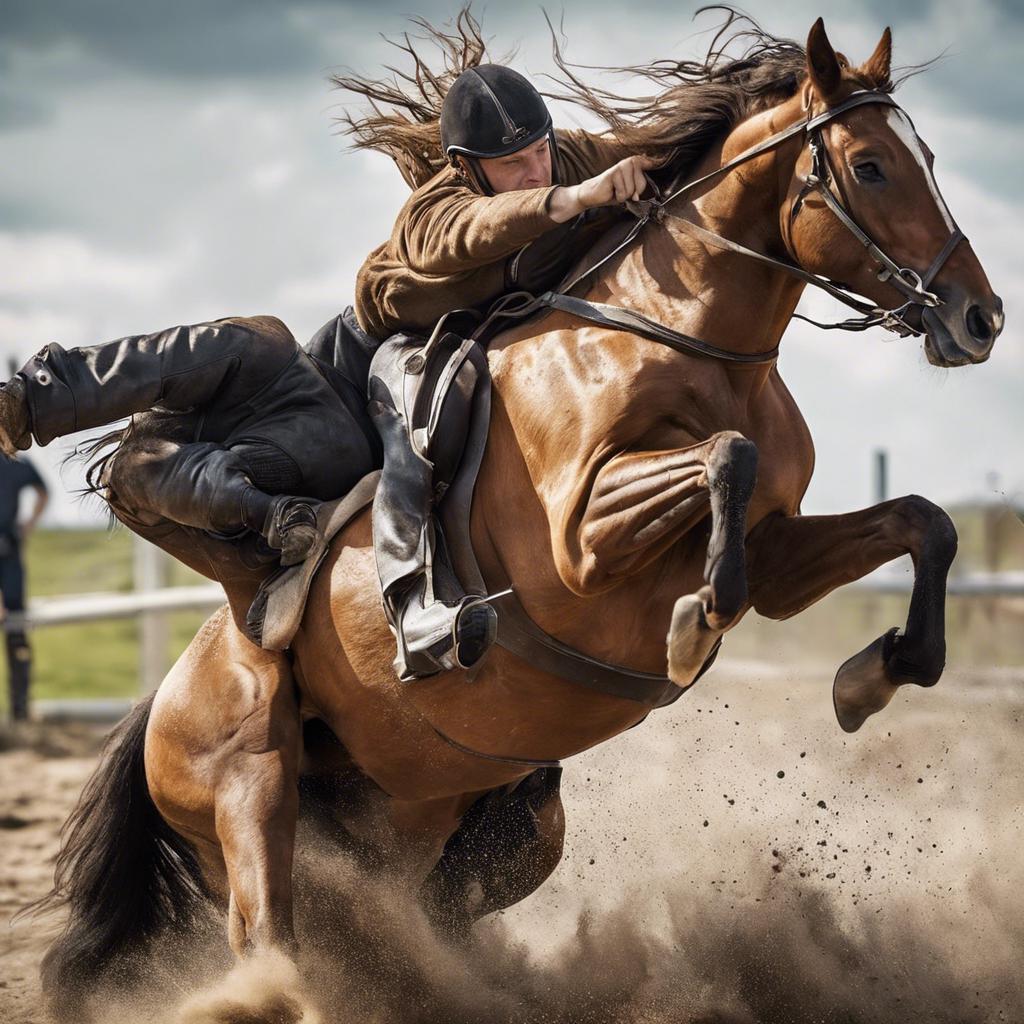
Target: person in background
(15,476)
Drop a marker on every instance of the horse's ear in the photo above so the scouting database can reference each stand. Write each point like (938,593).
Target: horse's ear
(822,63)
(876,68)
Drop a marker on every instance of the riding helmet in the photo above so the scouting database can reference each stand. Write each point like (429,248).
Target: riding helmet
(491,111)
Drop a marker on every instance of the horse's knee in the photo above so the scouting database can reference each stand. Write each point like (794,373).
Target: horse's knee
(927,529)
(732,462)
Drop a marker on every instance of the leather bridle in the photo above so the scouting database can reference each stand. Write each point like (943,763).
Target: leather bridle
(910,283)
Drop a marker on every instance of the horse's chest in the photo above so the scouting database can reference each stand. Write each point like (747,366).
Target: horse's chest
(784,466)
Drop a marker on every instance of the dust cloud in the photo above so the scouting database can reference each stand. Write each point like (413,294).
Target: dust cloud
(736,860)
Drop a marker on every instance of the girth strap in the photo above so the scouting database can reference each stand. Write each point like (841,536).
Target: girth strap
(518,633)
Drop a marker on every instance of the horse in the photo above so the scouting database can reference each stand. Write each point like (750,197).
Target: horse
(629,491)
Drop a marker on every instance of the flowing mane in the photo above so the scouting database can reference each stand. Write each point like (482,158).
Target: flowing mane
(404,115)
(745,70)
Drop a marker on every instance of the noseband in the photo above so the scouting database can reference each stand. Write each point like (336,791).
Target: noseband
(912,285)
(903,279)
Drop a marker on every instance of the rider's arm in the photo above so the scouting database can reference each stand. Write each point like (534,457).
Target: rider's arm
(449,228)
(452,229)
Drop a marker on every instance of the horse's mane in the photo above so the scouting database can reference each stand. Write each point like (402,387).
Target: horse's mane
(745,70)
(405,106)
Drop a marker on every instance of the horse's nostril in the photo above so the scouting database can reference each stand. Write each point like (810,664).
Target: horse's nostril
(979,324)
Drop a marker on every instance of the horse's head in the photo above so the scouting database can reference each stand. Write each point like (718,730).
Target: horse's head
(880,173)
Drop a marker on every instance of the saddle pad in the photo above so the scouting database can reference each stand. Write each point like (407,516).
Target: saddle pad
(287,591)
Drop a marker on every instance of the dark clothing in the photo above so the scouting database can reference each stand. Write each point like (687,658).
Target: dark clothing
(12,577)
(15,476)
(242,404)
(245,380)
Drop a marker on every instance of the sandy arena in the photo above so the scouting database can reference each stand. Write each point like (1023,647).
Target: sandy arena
(737,859)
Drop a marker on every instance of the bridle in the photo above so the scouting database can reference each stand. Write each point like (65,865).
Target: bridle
(910,283)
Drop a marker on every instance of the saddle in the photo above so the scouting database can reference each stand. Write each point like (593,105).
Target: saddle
(444,389)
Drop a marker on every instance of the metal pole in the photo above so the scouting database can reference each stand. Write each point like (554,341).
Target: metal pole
(150,565)
(881,475)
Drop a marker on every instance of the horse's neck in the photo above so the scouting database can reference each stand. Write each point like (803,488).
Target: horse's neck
(714,294)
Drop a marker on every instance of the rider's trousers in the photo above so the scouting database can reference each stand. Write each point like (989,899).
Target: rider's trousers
(261,410)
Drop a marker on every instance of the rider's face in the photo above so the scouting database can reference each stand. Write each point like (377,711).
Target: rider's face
(529,168)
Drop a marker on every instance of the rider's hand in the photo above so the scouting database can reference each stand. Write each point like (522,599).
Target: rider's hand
(620,183)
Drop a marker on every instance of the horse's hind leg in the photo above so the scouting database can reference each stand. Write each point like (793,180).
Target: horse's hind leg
(507,844)
(797,560)
(222,760)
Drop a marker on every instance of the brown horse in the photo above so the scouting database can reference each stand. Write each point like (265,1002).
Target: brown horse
(619,474)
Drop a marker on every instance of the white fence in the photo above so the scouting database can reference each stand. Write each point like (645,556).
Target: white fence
(150,601)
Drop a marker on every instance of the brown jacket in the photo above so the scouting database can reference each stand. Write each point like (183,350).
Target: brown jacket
(453,248)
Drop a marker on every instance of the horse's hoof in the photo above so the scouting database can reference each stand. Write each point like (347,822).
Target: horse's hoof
(689,638)
(862,685)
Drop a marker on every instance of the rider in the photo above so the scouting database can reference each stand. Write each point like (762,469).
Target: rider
(518,203)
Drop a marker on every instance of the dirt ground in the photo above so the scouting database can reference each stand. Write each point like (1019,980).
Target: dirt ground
(737,859)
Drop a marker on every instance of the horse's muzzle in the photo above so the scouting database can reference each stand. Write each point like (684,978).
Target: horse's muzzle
(962,330)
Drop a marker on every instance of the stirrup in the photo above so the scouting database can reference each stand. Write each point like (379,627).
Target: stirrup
(444,637)
(474,631)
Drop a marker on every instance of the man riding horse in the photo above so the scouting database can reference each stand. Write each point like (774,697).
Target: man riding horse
(254,432)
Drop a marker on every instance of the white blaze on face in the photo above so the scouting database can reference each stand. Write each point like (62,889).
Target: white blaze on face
(904,131)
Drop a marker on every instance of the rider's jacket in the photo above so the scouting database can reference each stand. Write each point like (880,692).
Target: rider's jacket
(454,248)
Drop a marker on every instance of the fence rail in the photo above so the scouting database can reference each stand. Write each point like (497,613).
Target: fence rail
(151,606)
(59,611)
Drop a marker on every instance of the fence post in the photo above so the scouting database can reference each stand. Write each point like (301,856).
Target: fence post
(881,475)
(150,572)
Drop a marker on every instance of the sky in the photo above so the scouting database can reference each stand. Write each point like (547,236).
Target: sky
(172,163)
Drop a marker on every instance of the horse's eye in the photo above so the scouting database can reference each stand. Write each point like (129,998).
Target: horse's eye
(869,172)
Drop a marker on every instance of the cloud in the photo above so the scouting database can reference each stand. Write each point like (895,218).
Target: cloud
(36,265)
(231,38)
(174,163)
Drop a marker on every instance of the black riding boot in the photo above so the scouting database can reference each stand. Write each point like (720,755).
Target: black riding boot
(437,626)
(222,490)
(178,369)
(19,672)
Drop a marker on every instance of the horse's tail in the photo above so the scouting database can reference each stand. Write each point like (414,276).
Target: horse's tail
(122,873)
(99,451)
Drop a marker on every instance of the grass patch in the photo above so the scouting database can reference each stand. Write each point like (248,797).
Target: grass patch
(93,659)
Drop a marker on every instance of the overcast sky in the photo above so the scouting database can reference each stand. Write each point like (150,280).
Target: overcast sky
(167,163)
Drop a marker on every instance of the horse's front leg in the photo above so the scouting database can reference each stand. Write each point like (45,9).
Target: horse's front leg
(797,560)
(643,502)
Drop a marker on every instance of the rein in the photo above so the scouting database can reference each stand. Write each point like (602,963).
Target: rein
(517,305)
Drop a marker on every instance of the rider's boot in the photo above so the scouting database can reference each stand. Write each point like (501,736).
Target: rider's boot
(433,635)
(15,424)
(178,369)
(222,491)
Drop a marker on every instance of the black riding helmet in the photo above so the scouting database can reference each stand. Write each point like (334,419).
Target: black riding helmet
(492,111)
